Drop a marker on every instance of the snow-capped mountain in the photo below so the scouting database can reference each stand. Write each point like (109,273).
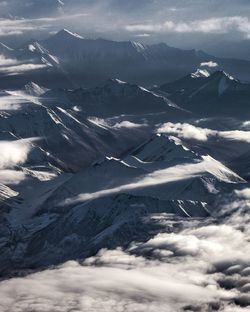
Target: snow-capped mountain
(69,60)
(124,165)
(130,61)
(210,94)
(116,98)
(119,167)
(72,212)
(81,213)
(62,126)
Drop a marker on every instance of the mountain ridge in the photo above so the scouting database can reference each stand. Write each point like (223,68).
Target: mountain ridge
(76,61)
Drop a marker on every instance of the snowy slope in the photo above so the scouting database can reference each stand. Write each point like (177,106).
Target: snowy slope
(212,95)
(92,168)
(115,98)
(71,61)
(83,213)
(87,62)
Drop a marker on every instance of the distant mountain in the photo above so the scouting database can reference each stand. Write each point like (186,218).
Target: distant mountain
(115,98)
(229,48)
(94,60)
(41,67)
(210,94)
(72,61)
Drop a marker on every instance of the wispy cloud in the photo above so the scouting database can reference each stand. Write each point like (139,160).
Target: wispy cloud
(13,66)
(19,26)
(201,266)
(218,25)
(210,64)
(188,131)
(158,177)
(14,153)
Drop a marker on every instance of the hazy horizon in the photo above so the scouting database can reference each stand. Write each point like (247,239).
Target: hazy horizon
(193,24)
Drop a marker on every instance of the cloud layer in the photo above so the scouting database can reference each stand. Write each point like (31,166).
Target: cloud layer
(199,266)
(13,153)
(150,20)
(220,25)
(13,66)
(188,131)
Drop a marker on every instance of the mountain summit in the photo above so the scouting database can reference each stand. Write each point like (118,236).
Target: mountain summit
(210,94)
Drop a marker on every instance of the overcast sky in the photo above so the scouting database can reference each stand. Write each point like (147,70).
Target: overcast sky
(182,23)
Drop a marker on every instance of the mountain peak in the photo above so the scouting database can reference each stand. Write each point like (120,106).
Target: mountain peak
(33,89)
(206,73)
(200,73)
(221,74)
(65,33)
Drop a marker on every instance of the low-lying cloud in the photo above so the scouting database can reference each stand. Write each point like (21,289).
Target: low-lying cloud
(210,64)
(218,25)
(188,131)
(158,177)
(13,66)
(200,266)
(14,153)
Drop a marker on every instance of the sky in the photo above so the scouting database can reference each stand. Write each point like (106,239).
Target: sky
(211,25)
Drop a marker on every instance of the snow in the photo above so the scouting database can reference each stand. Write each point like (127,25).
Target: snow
(67,32)
(34,90)
(100,175)
(200,73)
(31,47)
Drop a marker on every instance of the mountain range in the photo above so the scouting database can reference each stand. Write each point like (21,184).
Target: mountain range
(54,205)
(70,60)
(128,159)
(212,94)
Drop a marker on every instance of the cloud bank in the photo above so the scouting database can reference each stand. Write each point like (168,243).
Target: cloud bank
(199,266)
(220,25)
(13,153)
(13,66)
(188,131)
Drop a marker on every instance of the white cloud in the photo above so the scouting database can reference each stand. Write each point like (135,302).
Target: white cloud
(21,68)
(245,193)
(7,61)
(188,131)
(127,124)
(8,176)
(19,26)
(118,125)
(209,64)
(203,266)
(10,27)
(235,135)
(246,125)
(143,35)
(13,66)
(158,177)
(217,25)
(13,153)
(80,288)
